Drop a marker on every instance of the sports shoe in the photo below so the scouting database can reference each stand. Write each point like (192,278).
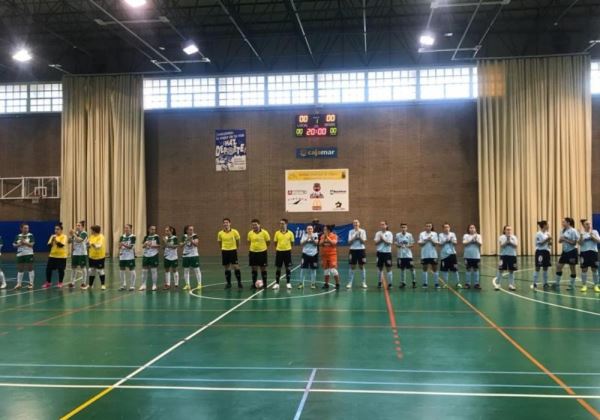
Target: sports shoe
(337,286)
(240,285)
(103,287)
(477,286)
(228,286)
(511,287)
(17,287)
(467,286)
(46,285)
(301,286)
(289,286)
(437,286)
(379,285)
(313,285)
(122,288)
(389,286)
(459,286)
(154,288)
(29,286)
(166,287)
(349,286)
(325,286)
(402,285)
(584,289)
(597,288)
(132,289)
(414,284)
(364,285)
(533,286)
(84,286)
(546,286)
(276,286)
(425,286)
(186,287)
(60,285)
(142,288)
(3,286)
(71,285)
(569,287)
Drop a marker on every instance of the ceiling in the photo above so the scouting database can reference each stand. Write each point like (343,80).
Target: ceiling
(242,36)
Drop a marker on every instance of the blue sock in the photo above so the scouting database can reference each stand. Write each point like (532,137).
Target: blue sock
(425,275)
(476,274)
(511,278)
(390,277)
(545,276)
(468,275)
(595,277)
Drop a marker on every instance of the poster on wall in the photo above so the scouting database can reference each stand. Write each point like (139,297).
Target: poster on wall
(230,150)
(317,190)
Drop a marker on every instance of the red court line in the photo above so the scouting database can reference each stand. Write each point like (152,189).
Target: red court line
(529,356)
(392,316)
(43,322)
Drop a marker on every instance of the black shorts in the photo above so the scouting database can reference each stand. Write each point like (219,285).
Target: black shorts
(258,259)
(99,264)
(229,257)
(56,263)
(507,262)
(542,258)
(405,263)
(450,263)
(569,258)
(357,256)
(310,261)
(384,259)
(472,263)
(283,258)
(429,261)
(589,259)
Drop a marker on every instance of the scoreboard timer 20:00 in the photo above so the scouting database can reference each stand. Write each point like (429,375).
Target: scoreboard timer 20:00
(316,125)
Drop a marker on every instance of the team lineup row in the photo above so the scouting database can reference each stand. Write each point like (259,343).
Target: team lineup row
(318,242)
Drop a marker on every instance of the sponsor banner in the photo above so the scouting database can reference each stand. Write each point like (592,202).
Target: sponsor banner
(341,231)
(316,153)
(230,150)
(317,190)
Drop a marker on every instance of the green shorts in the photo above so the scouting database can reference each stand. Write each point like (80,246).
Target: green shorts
(127,264)
(191,262)
(150,261)
(25,259)
(171,263)
(79,261)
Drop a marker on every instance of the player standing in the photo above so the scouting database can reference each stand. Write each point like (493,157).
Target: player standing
(357,238)
(543,242)
(328,244)
(190,257)
(428,240)
(569,237)
(24,243)
(284,239)
(229,239)
(2,276)
(472,255)
(508,258)
(97,255)
(404,243)
(383,243)
(127,258)
(78,238)
(310,256)
(57,258)
(258,241)
(171,260)
(150,258)
(449,262)
(589,241)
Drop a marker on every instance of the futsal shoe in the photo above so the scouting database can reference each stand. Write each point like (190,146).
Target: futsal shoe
(467,286)
(437,286)
(569,287)
(325,286)
(584,289)
(349,286)
(46,285)
(379,285)
(459,286)
(3,286)
(17,287)
(597,288)
(30,286)
(313,285)
(477,286)
(132,289)
(533,286)
(276,286)
(83,286)
(337,286)
(425,286)
(414,284)
(495,283)
(364,285)
(289,286)
(122,288)
(301,286)
(103,287)
(186,287)
(142,288)
(546,286)
(511,287)
(402,285)
(60,285)
(71,285)
(166,287)
(228,286)
(154,288)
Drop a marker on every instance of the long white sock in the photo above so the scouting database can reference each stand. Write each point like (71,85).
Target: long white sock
(545,276)
(414,275)
(132,279)
(123,279)
(445,276)
(584,278)
(379,276)
(144,276)
(402,276)
(84,270)
(595,277)
(363,273)
(31,277)
(313,276)
(435,277)
(498,277)
(176,278)
(198,274)
(425,278)
(2,277)
(350,275)
(20,278)
(390,277)
(73,275)
(186,275)
(535,277)
(154,274)
(457,277)
(168,278)
(511,278)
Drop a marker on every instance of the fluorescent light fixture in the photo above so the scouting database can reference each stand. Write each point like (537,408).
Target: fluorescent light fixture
(190,48)
(22,55)
(135,3)
(427,39)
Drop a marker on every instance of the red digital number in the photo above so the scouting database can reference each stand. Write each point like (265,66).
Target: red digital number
(311,131)
(322,131)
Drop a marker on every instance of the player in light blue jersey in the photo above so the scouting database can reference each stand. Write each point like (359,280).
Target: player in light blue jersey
(404,243)
(428,240)
(383,242)
(588,243)
(310,256)
(472,255)
(449,262)
(508,243)
(569,238)
(543,243)
(357,238)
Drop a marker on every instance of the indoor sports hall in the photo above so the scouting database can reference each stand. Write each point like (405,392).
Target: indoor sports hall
(299,209)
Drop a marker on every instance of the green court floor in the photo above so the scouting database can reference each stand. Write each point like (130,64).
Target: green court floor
(309,354)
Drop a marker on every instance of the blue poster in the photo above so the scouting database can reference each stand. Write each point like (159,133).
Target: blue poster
(230,150)
(341,231)
(41,232)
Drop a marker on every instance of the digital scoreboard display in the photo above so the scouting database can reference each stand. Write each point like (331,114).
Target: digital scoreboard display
(316,125)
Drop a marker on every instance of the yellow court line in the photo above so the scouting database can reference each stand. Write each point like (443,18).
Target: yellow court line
(529,356)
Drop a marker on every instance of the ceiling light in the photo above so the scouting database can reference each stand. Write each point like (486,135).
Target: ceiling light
(448,34)
(22,55)
(427,39)
(190,48)
(135,3)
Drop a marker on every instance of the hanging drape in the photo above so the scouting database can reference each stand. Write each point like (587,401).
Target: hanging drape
(534,145)
(102,154)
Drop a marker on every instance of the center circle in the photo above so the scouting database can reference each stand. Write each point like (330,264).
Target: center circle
(194,292)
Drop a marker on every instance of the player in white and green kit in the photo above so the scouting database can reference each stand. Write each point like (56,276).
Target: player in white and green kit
(78,238)
(2,277)
(171,259)
(150,258)
(190,257)
(24,243)
(127,258)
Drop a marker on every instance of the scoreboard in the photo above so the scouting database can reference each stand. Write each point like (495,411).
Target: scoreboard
(316,125)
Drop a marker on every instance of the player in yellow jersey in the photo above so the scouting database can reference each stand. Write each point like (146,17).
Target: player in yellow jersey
(284,239)
(97,255)
(57,258)
(229,239)
(258,242)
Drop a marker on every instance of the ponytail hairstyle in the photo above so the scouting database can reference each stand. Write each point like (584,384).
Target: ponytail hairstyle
(504,229)
(172,230)
(570,221)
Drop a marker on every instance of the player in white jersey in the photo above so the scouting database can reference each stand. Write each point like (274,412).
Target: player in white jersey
(190,257)
(2,277)
(383,242)
(150,261)
(472,254)
(588,242)
(78,238)
(428,240)
(24,242)
(357,238)
(171,260)
(543,244)
(449,260)
(404,243)
(310,256)
(508,243)
(569,238)
(127,258)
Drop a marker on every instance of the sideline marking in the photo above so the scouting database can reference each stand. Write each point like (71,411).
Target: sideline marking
(305,395)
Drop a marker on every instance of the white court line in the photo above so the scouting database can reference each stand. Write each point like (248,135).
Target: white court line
(305,395)
(313,390)
(120,382)
(571,296)
(551,304)
(34,290)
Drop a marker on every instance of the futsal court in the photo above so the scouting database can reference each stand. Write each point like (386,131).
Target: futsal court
(309,354)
